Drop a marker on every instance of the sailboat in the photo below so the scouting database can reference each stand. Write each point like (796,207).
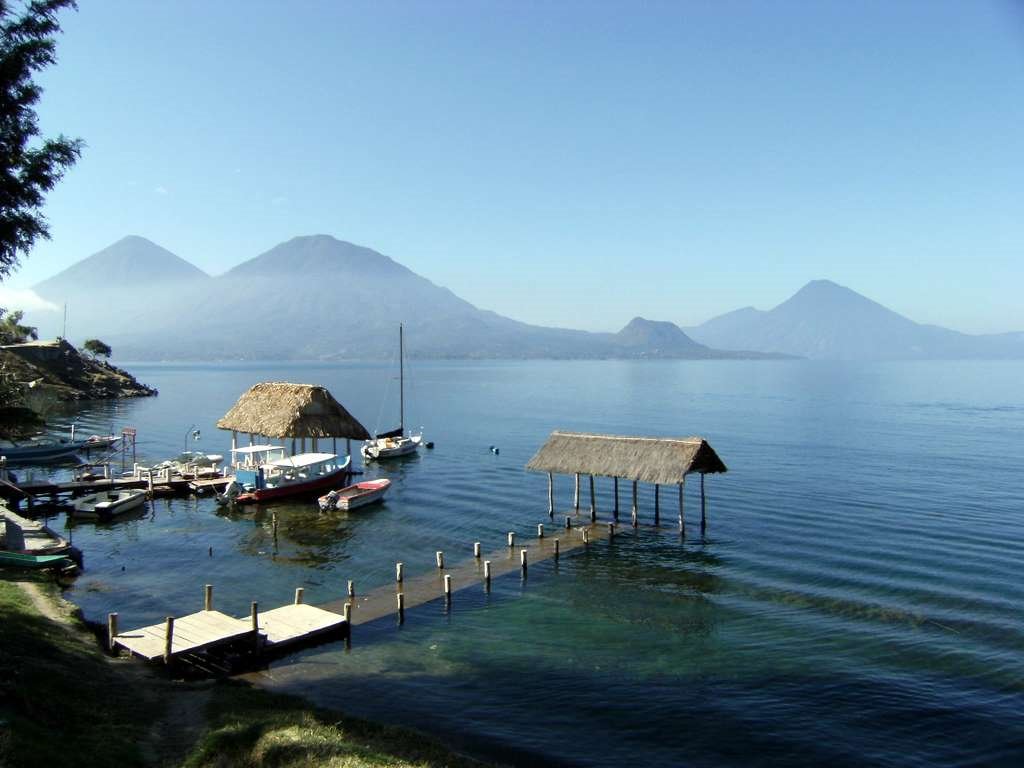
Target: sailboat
(395,443)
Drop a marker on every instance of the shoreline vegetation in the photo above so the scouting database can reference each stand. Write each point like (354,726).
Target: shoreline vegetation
(61,695)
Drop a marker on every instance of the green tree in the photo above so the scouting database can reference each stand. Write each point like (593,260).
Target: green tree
(97,348)
(27,170)
(11,329)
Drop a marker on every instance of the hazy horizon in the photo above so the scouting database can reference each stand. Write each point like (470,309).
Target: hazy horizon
(571,165)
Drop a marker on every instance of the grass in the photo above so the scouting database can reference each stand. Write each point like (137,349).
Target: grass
(59,697)
(63,702)
(251,727)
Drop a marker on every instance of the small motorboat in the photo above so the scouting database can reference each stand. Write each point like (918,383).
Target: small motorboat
(107,505)
(23,560)
(358,495)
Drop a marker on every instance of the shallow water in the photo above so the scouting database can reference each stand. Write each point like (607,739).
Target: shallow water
(856,598)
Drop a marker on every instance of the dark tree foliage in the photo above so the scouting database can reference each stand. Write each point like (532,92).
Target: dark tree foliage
(11,329)
(97,348)
(27,171)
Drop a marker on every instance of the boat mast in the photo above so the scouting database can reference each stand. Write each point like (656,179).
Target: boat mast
(401,381)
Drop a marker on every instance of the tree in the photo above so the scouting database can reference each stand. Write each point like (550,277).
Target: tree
(27,172)
(11,329)
(96,348)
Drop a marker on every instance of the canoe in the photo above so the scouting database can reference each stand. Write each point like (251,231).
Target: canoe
(354,496)
(108,504)
(22,560)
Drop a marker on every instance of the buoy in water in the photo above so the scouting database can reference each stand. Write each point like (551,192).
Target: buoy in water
(428,444)
(494,450)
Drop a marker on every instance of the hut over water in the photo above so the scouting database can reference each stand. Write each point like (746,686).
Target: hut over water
(658,460)
(279,409)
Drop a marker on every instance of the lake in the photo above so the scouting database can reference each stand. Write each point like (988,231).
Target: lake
(856,598)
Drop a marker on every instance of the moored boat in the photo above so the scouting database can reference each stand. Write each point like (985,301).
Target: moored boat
(264,472)
(394,443)
(107,505)
(23,560)
(354,496)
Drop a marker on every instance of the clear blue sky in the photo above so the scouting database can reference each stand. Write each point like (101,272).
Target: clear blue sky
(563,163)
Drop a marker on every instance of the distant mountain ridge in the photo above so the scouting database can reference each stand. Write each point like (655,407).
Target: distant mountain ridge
(312,297)
(316,297)
(824,320)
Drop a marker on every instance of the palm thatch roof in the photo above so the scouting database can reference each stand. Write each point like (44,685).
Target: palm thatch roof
(279,409)
(663,460)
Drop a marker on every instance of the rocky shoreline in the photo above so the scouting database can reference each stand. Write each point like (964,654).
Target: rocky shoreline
(67,374)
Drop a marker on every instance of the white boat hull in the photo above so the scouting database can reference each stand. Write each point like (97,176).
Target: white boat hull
(391,447)
(108,504)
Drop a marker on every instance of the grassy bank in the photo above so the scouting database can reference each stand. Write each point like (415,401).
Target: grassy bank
(62,700)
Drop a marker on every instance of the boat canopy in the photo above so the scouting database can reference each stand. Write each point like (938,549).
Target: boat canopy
(303,460)
(251,449)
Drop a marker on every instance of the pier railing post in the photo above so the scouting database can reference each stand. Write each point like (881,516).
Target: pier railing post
(298,595)
(208,597)
(168,639)
(111,630)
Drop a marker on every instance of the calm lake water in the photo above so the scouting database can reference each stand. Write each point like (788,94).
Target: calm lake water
(857,598)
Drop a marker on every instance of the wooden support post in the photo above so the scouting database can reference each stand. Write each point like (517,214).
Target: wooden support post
(586,535)
(593,501)
(616,510)
(487,573)
(351,589)
(576,494)
(439,556)
(168,639)
(298,595)
(511,538)
(522,560)
(568,522)
(208,598)
(346,612)
(657,504)
(476,549)
(703,506)
(398,572)
(540,530)
(682,511)
(447,586)
(551,495)
(611,531)
(254,614)
(111,630)
(556,549)
(401,608)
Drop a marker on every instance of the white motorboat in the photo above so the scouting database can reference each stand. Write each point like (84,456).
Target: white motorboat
(108,504)
(358,495)
(394,443)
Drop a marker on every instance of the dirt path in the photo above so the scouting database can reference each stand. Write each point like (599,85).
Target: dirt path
(171,736)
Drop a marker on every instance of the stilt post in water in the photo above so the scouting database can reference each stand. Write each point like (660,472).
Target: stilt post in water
(448,586)
(657,504)
(593,501)
(487,573)
(703,506)
(522,561)
(615,511)
(540,530)
(476,549)
(556,549)
(511,538)
(398,572)
(346,612)
(439,556)
(551,495)
(351,589)
(682,508)
(401,608)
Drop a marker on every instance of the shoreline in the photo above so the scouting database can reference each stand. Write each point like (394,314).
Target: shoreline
(138,716)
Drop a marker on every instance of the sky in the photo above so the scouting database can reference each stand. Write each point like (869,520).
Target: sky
(562,163)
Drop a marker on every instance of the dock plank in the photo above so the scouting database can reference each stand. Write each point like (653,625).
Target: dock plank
(191,633)
(293,623)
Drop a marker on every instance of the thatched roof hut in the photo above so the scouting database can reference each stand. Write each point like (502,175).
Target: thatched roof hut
(278,409)
(661,460)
